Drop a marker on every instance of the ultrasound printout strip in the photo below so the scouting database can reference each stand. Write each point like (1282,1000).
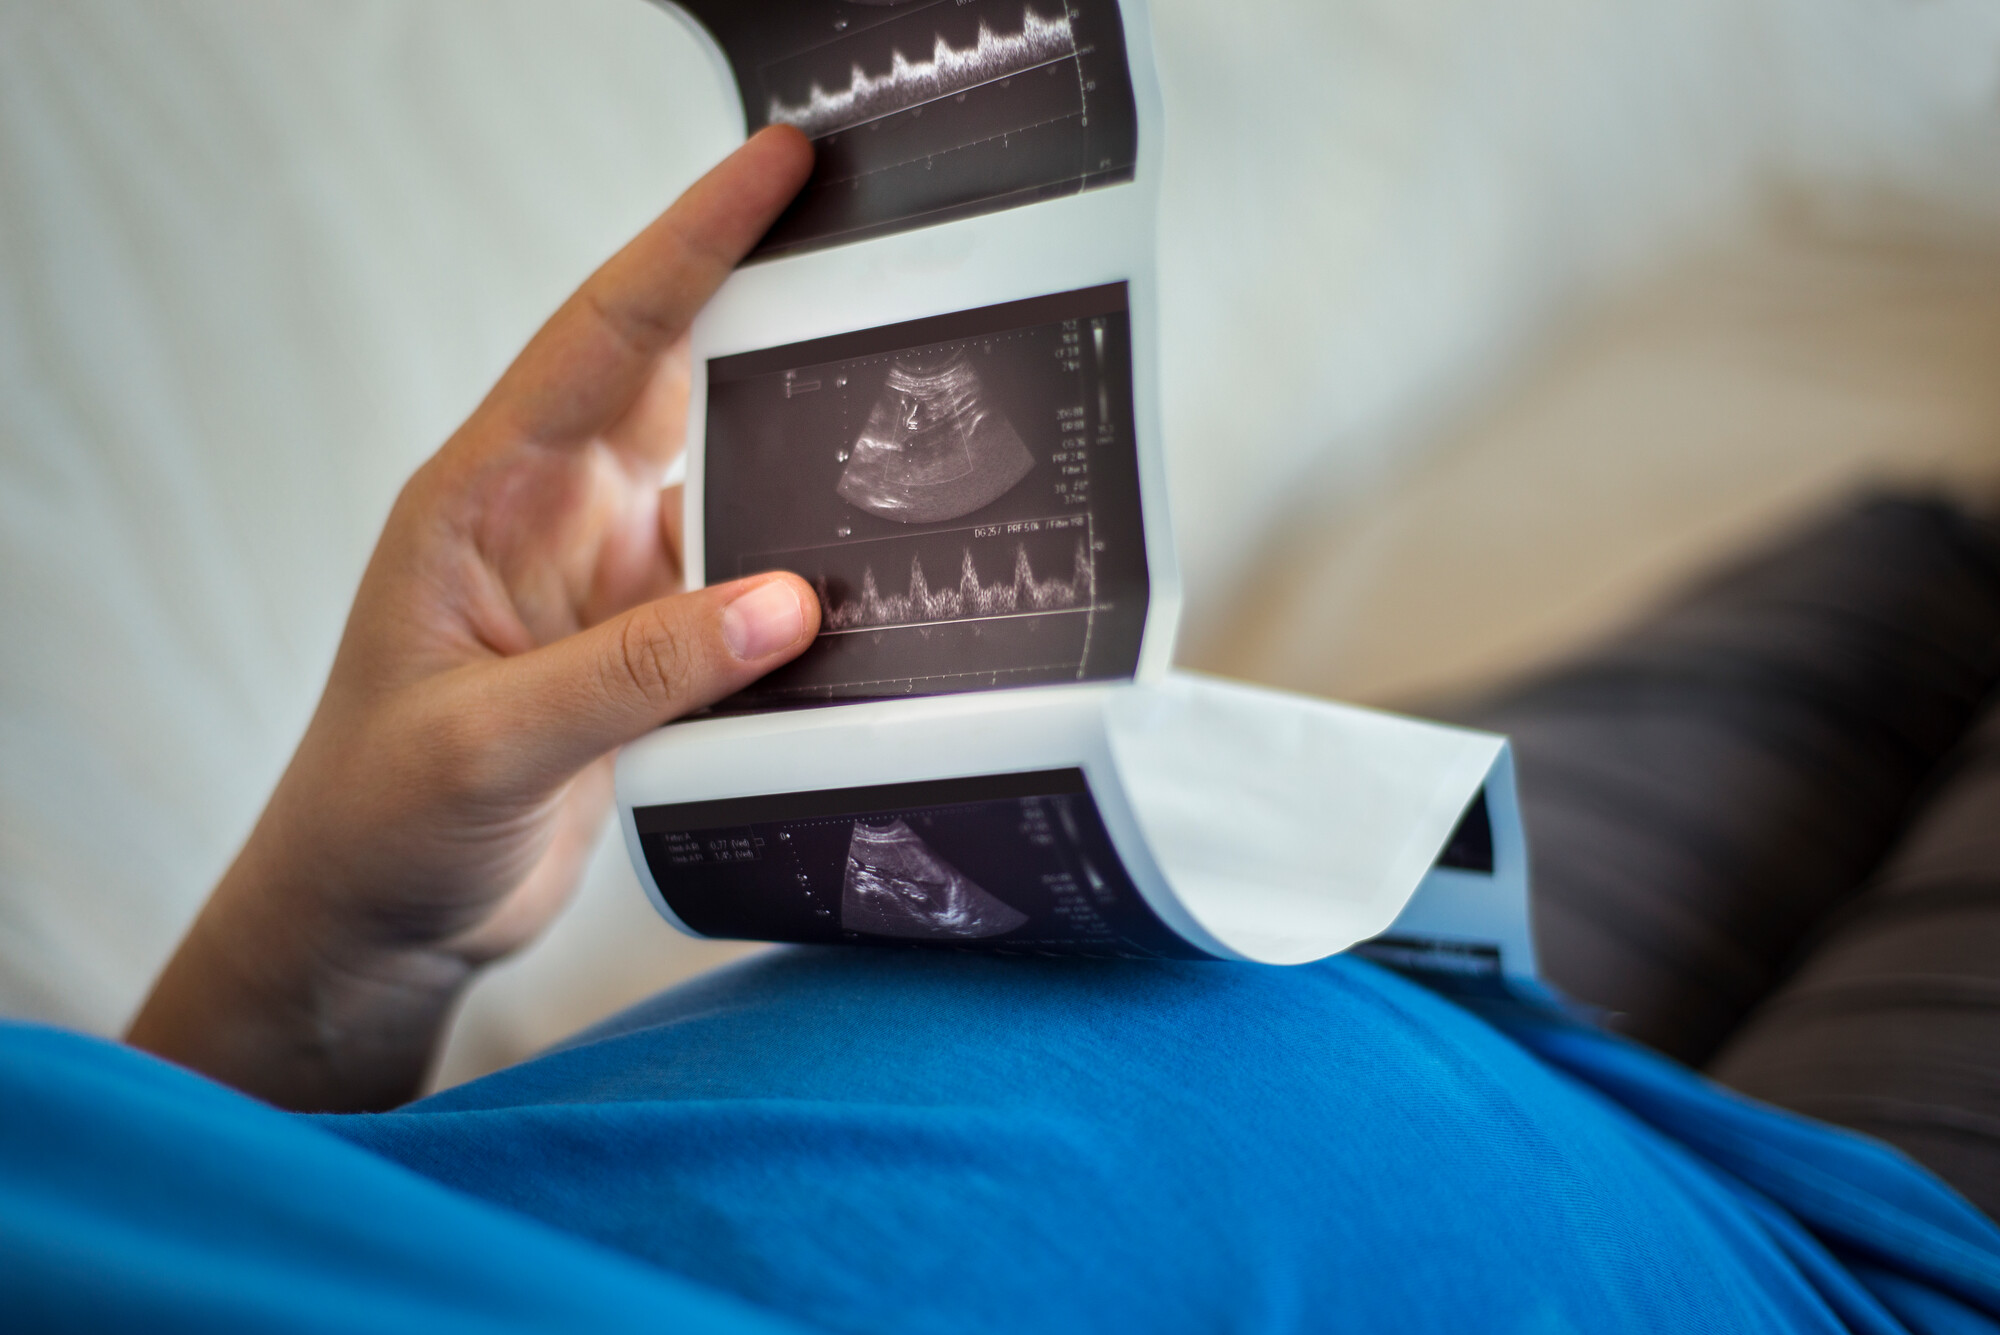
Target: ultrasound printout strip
(768,807)
(951,431)
(1014,863)
(922,113)
(961,490)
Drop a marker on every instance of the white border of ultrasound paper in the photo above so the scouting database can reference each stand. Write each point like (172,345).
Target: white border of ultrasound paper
(1103,235)
(1477,909)
(900,741)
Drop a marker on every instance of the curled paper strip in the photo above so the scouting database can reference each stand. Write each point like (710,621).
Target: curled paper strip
(933,395)
(1187,818)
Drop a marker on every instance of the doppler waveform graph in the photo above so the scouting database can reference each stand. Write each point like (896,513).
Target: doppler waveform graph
(931,83)
(907,83)
(1023,594)
(926,111)
(1028,569)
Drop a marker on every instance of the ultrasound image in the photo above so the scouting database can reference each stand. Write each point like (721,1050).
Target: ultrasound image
(962,492)
(934,447)
(1013,863)
(896,886)
(927,110)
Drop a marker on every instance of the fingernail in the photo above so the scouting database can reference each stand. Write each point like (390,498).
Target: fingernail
(763,621)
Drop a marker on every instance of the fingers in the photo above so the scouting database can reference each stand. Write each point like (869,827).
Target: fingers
(566,704)
(588,364)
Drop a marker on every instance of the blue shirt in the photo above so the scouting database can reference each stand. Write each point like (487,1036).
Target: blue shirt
(883,1141)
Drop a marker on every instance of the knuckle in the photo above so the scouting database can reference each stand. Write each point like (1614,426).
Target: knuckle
(639,328)
(654,661)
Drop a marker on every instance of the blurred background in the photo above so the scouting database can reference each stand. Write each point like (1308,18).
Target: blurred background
(1485,325)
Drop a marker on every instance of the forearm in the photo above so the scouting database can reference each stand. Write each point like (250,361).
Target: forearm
(265,998)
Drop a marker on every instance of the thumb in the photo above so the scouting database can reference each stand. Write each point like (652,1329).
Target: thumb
(571,701)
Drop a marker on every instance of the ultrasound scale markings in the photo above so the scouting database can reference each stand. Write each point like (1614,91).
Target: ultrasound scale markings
(1026,194)
(1083,85)
(989,673)
(827,183)
(950,71)
(982,343)
(850,33)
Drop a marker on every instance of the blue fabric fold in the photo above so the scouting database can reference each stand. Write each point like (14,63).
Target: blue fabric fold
(878,1141)
(135,1196)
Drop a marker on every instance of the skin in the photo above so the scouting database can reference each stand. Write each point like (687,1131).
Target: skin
(519,619)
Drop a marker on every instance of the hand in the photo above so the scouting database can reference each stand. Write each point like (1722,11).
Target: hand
(518,620)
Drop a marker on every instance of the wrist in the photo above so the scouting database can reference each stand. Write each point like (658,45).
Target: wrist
(274,993)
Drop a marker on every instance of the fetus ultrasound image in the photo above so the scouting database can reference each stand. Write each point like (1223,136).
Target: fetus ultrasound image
(962,492)
(1014,863)
(925,110)
(934,446)
(895,885)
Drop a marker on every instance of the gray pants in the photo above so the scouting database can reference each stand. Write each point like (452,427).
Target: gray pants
(1765,829)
